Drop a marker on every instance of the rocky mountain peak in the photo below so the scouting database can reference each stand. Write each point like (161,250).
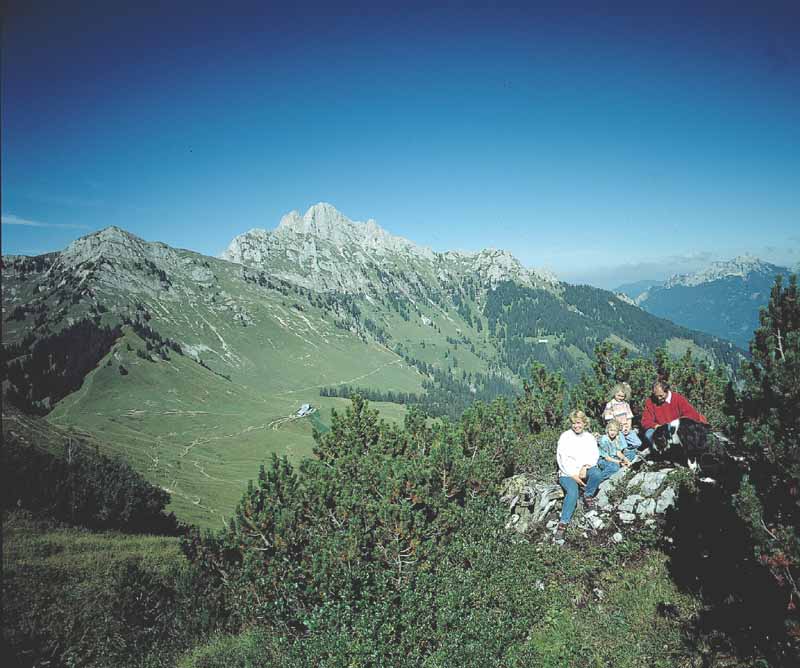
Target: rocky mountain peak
(111,241)
(325,250)
(741,267)
(324,222)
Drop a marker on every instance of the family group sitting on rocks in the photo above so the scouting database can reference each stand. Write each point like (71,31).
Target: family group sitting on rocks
(584,462)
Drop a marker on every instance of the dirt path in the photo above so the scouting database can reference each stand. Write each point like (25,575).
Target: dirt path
(341,382)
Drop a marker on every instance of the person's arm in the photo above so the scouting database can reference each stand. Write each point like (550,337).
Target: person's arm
(606,448)
(685,409)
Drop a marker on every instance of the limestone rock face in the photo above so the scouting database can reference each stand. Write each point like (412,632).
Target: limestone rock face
(324,250)
(113,260)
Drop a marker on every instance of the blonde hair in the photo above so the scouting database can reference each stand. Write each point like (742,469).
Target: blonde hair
(621,387)
(613,423)
(576,415)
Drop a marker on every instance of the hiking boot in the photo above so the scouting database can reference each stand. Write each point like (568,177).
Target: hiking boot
(561,529)
(588,502)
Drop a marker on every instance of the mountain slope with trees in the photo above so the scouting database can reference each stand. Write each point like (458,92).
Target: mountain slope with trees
(193,368)
(723,300)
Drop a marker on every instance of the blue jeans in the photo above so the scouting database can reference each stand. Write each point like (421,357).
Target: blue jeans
(648,436)
(604,465)
(594,477)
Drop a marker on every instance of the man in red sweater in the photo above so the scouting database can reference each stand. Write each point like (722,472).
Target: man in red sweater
(664,407)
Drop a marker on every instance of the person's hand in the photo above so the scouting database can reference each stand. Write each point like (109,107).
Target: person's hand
(578,479)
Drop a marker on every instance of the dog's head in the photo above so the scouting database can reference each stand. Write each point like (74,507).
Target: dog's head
(682,440)
(666,436)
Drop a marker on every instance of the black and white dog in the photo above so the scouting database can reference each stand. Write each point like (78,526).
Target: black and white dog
(692,444)
(683,441)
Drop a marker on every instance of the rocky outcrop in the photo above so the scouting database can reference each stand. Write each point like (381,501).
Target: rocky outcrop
(627,499)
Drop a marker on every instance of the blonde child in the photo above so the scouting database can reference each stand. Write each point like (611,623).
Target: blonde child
(619,409)
(614,449)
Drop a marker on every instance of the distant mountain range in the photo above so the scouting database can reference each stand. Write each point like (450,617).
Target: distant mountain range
(723,299)
(193,367)
(633,290)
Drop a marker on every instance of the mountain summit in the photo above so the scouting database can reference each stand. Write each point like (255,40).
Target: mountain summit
(723,299)
(323,221)
(739,267)
(324,250)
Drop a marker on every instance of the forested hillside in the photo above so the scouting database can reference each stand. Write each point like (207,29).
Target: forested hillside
(524,320)
(388,546)
(723,300)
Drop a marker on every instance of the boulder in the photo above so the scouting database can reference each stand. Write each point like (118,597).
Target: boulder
(529,501)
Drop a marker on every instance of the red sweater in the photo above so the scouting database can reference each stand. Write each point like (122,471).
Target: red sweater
(678,407)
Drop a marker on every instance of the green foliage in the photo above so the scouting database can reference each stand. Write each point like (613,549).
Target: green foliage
(769,426)
(582,318)
(375,511)
(388,547)
(82,487)
(345,392)
(55,364)
(705,387)
(541,406)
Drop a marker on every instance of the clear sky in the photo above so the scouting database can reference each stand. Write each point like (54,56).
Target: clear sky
(604,145)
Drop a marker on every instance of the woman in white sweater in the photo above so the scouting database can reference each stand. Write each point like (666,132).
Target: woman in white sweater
(578,456)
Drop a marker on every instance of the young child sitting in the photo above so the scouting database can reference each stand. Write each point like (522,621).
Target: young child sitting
(614,449)
(619,409)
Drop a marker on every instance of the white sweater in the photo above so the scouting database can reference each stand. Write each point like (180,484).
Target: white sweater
(575,451)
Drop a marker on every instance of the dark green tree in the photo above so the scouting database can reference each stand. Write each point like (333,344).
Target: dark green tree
(769,426)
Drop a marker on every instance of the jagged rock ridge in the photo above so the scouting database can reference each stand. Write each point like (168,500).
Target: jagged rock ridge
(324,250)
(740,267)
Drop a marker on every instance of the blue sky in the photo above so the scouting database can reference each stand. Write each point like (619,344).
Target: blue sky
(604,146)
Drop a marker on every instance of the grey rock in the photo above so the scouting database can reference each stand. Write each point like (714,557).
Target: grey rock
(646,508)
(666,500)
(324,250)
(627,517)
(546,498)
(652,482)
(617,537)
(629,503)
(530,501)
(638,479)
